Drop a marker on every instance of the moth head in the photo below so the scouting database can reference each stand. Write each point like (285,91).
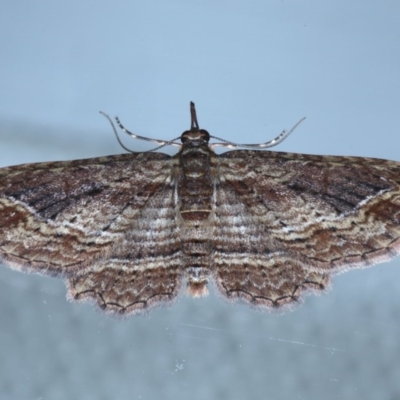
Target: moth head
(195,135)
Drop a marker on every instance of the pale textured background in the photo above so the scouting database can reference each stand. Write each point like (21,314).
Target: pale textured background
(253,68)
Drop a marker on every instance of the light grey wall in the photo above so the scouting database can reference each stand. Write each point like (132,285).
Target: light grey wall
(253,68)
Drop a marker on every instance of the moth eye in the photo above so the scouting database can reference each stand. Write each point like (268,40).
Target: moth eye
(205,135)
(184,137)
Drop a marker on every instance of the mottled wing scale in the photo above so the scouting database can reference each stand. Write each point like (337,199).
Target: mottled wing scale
(98,222)
(298,219)
(145,269)
(250,264)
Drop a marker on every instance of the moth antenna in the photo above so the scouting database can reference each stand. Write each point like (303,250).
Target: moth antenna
(280,138)
(116,133)
(158,141)
(162,143)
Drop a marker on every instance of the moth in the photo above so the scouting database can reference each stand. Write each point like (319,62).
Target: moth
(130,231)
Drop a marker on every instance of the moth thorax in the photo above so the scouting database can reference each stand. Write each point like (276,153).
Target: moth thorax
(195,186)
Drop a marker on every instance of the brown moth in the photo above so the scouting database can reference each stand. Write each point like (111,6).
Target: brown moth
(127,230)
